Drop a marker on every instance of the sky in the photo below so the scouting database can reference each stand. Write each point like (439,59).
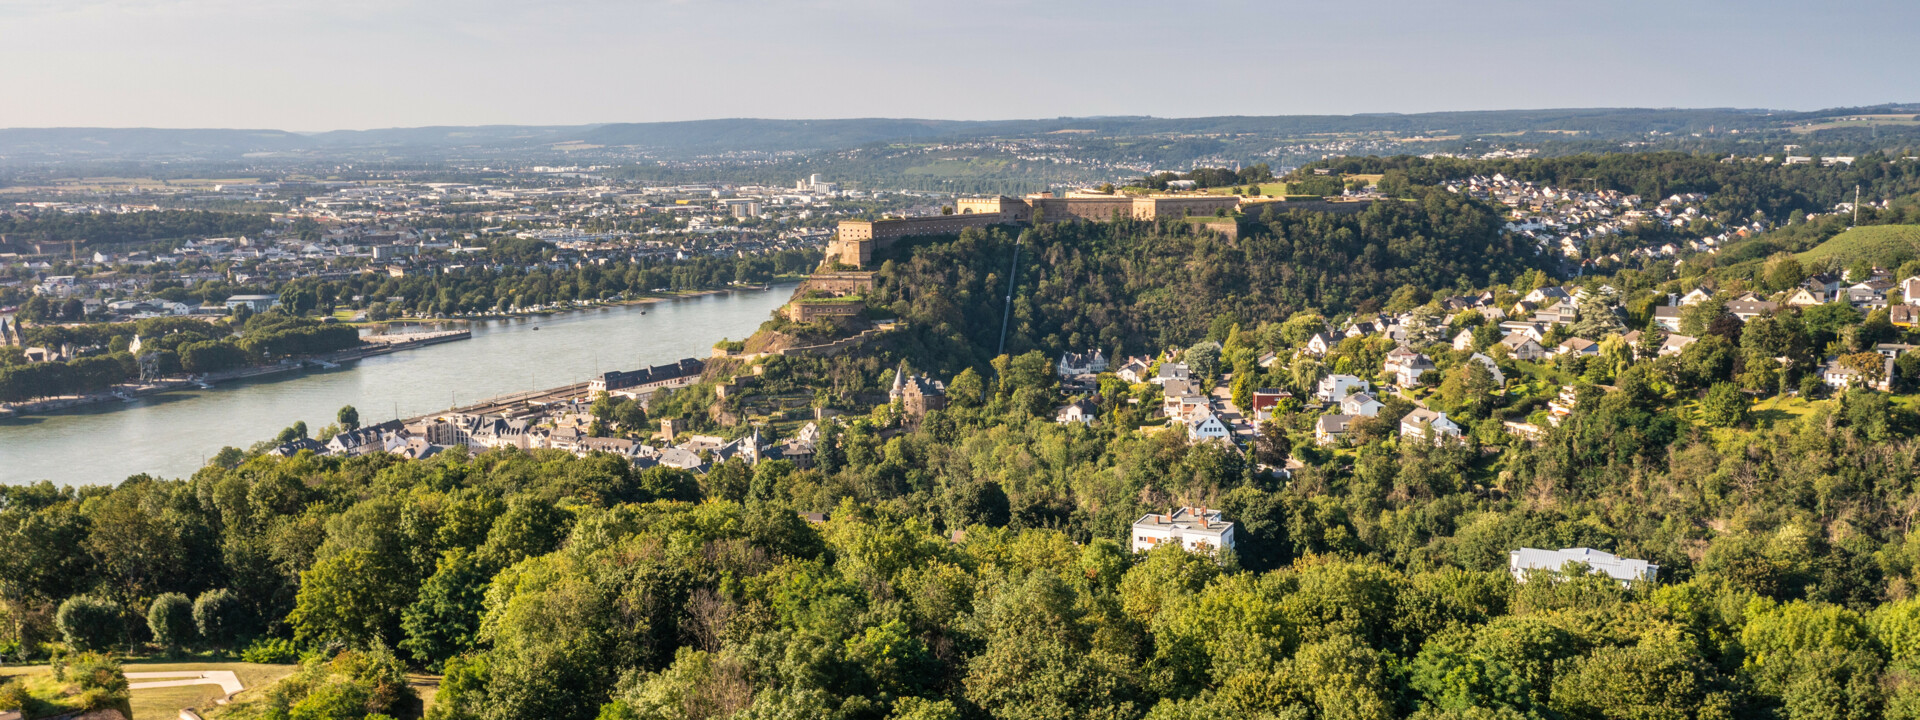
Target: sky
(310,65)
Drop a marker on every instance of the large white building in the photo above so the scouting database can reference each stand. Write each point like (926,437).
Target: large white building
(1521,561)
(1197,529)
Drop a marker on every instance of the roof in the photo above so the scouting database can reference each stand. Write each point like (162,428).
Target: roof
(1188,521)
(1614,566)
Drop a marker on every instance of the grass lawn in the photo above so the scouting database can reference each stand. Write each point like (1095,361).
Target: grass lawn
(1775,410)
(167,702)
(1272,188)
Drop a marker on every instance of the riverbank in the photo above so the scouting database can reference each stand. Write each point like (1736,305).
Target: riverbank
(554,310)
(371,346)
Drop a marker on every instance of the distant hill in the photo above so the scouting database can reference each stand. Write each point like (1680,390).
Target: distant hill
(711,137)
(1884,245)
(121,142)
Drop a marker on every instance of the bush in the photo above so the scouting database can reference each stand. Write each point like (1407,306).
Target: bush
(89,623)
(13,695)
(171,620)
(221,618)
(271,651)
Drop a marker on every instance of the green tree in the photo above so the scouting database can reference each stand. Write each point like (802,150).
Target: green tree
(1724,405)
(90,623)
(350,600)
(170,619)
(222,618)
(348,417)
(445,621)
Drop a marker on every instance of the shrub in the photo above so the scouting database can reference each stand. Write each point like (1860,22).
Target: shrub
(13,695)
(89,623)
(171,620)
(271,651)
(221,617)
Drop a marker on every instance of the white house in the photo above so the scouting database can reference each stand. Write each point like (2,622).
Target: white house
(1464,340)
(1361,404)
(1499,378)
(1527,561)
(1521,347)
(1667,317)
(1335,388)
(1082,412)
(1090,363)
(1210,427)
(1419,423)
(1408,373)
(1319,344)
(1197,529)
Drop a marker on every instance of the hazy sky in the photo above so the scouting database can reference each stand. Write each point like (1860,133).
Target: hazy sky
(327,64)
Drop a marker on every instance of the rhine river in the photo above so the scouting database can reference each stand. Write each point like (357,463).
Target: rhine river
(172,435)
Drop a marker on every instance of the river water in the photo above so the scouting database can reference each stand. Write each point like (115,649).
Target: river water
(172,435)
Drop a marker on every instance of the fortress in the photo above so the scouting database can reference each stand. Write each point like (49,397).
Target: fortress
(857,240)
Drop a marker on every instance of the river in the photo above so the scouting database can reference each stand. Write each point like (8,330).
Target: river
(172,435)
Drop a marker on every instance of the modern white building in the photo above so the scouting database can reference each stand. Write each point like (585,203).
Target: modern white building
(1521,562)
(1197,529)
(1335,388)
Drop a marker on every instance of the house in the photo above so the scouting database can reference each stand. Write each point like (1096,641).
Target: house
(371,438)
(1803,297)
(293,447)
(1361,404)
(1528,561)
(1534,330)
(255,303)
(1747,309)
(1869,292)
(1265,400)
(648,379)
(1521,347)
(1135,370)
(1839,375)
(1910,290)
(1319,344)
(1904,315)
(1082,412)
(1674,344)
(1894,350)
(917,394)
(1464,340)
(1196,529)
(1499,378)
(1578,347)
(1089,363)
(1558,313)
(1545,295)
(1208,428)
(1334,388)
(1409,372)
(1667,317)
(1171,371)
(1424,423)
(1328,429)
(1186,408)
(1697,296)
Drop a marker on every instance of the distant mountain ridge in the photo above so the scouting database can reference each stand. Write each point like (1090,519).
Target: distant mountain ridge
(718,136)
